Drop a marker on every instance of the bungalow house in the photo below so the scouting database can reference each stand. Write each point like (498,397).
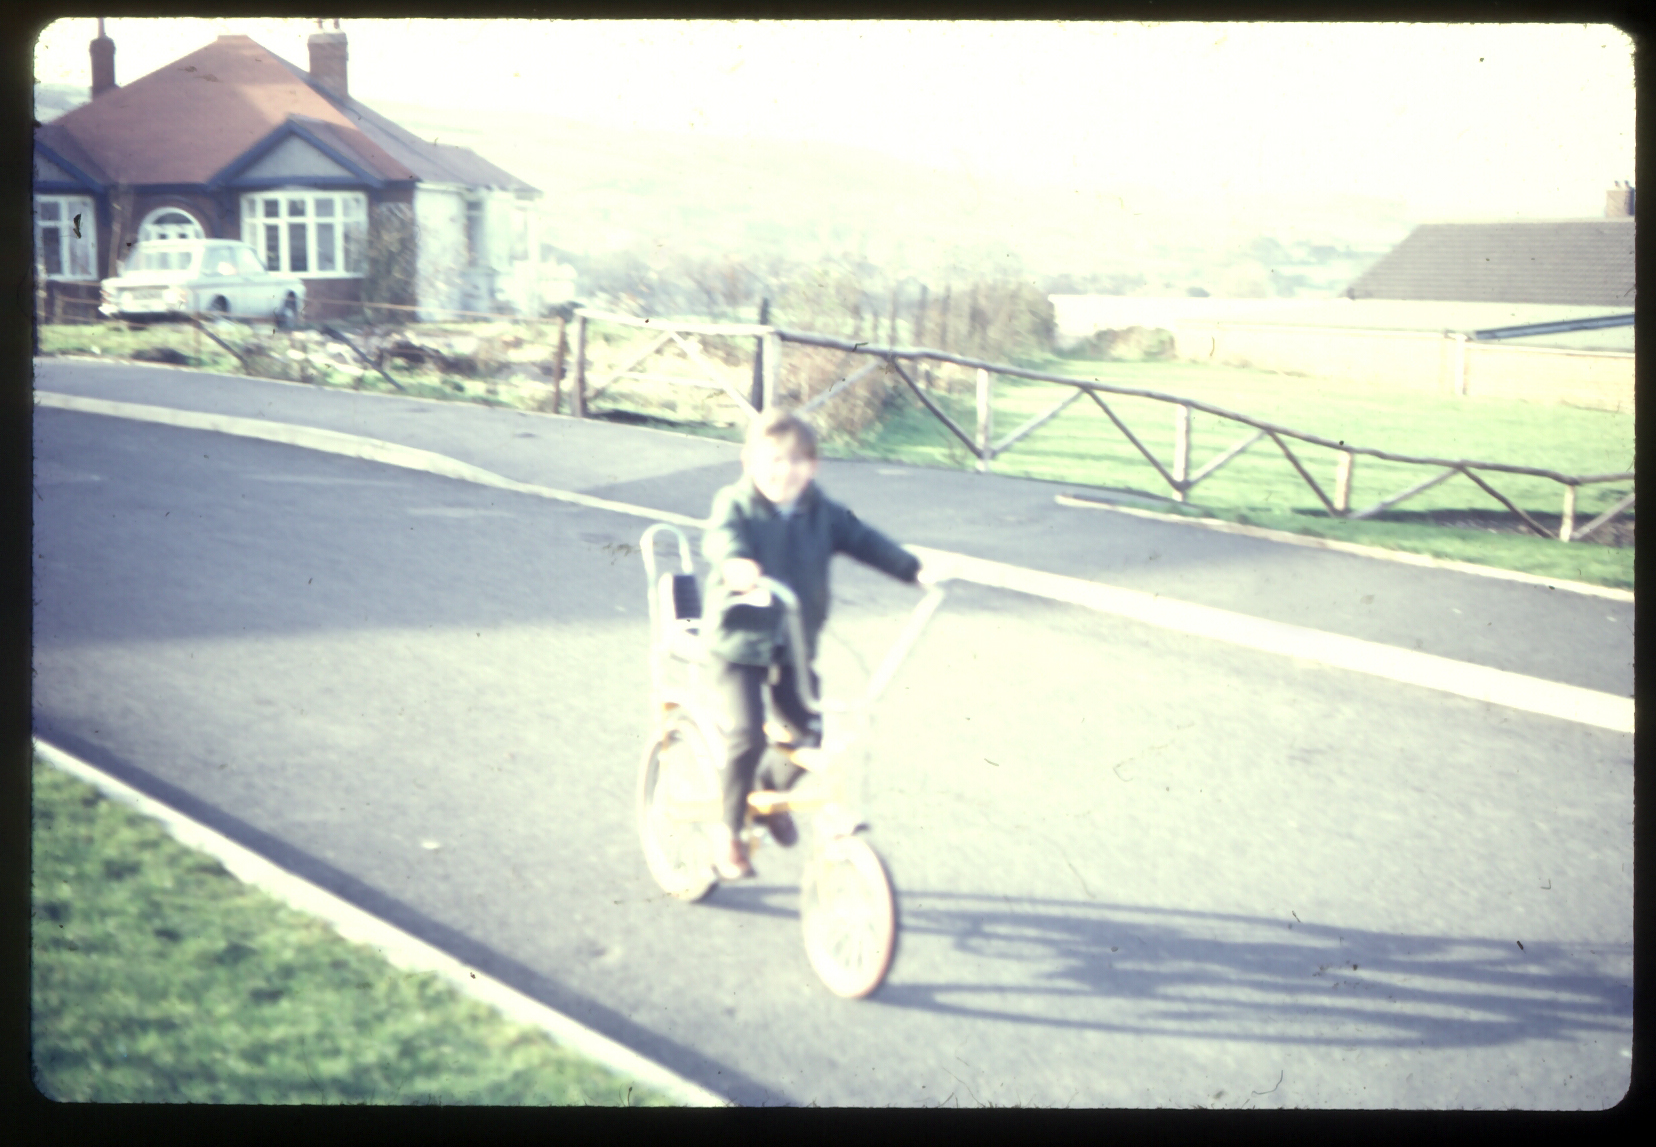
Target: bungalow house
(232,141)
(1559,262)
(1539,310)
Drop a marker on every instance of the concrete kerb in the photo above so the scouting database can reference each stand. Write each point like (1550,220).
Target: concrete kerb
(412,458)
(397,947)
(348,445)
(1219,525)
(1478,682)
(1406,666)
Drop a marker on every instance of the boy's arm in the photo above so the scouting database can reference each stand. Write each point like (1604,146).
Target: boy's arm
(723,538)
(854,537)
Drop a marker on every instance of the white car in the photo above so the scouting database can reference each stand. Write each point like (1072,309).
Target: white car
(167,278)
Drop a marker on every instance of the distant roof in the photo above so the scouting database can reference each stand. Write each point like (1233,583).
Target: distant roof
(1567,262)
(193,118)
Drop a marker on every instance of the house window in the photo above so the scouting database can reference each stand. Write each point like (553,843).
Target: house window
(308,233)
(66,237)
(169,223)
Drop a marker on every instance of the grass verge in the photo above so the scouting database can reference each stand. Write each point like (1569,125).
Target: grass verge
(159,978)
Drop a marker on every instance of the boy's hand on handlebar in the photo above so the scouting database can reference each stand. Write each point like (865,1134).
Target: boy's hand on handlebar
(740,574)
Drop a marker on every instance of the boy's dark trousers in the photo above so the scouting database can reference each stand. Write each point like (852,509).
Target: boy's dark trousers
(738,690)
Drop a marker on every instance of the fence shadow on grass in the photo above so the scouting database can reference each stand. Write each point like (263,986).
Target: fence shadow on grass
(1154,971)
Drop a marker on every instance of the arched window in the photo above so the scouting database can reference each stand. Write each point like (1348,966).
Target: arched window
(169,223)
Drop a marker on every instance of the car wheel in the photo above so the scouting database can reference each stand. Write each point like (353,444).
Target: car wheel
(219,308)
(287,316)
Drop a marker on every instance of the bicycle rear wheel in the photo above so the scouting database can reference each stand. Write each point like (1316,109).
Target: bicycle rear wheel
(848,910)
(679,810)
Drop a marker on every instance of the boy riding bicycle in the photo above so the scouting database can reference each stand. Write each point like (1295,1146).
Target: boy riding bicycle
(777,523)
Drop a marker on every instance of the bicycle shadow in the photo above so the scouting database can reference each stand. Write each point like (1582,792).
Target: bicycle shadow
(1125,968)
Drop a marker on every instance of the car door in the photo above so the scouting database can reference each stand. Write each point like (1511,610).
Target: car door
(260,290)
(218,275)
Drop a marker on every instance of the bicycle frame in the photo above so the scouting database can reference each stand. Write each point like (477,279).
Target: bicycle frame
(822,761)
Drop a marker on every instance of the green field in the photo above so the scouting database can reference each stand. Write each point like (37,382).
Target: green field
(1083,446)
(160,978)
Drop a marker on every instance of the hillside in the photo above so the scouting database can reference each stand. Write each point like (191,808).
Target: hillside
(767,199)
(656,196)
(52,100)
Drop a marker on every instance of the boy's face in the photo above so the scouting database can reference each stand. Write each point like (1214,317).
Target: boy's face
(779,469)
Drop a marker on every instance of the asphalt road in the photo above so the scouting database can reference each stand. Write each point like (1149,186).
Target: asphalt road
(1136,868)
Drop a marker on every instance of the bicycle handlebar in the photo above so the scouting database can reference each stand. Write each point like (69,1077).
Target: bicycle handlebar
(918,617)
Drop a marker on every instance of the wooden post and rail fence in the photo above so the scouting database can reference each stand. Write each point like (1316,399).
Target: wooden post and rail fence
(982,445)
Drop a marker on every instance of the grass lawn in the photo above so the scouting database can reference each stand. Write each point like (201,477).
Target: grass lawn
(1082,446)
(160,978)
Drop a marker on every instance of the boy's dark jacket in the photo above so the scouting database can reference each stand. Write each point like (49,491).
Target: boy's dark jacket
(794,550)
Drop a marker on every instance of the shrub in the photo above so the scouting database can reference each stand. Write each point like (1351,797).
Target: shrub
(392,259)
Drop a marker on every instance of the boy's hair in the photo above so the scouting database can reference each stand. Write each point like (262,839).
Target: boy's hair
(780,425)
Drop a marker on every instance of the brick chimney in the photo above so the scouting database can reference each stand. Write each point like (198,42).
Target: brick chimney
(1618,201)
(103,62)
(327,59)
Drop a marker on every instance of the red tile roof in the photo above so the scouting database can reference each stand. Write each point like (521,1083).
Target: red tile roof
(188,121)
(1572,262)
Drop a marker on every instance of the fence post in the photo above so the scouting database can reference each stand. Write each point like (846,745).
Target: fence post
(985,417)
(1342,482)
(756,396)
(772,358)
(1460,363)
(577,397)
(1181,450)
(1567,526)
(558,361)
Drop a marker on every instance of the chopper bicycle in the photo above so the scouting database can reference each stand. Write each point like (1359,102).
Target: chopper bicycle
(848,908)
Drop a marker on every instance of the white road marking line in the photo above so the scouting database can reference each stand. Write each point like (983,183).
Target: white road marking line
(1402,556)
(1463,678)
(398,947)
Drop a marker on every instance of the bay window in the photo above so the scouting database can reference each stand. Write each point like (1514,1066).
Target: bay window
(310,233)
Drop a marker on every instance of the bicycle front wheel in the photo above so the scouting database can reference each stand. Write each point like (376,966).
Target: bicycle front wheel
(849,913)
(679,810)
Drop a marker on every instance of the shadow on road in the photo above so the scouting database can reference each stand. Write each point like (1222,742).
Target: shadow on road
(1124,968)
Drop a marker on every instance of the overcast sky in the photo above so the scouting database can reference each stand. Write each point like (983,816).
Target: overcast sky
(1461,121)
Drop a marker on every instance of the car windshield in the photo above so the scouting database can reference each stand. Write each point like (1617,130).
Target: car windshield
(147,257)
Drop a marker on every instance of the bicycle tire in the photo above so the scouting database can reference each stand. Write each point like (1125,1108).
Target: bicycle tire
(677,786)
(848,912)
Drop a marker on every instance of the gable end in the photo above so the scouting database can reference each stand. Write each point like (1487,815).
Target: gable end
(293,159)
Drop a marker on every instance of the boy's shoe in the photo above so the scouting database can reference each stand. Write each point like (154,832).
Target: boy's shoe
(733,864)
(782,828)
